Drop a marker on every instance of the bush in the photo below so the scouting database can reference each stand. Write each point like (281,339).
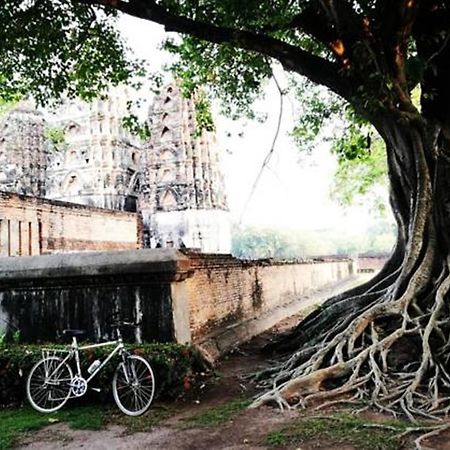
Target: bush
(172,364)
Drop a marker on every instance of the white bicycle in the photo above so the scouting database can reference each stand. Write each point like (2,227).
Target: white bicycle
(51,381)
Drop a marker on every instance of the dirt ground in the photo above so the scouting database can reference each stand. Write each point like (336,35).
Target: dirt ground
(247,429)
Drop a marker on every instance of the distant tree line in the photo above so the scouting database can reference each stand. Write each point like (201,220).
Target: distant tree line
(251,242)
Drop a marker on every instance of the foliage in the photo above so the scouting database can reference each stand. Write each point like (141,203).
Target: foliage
(233,75)
(55,136)
(253,243)
(361,175)
(203,114)
(132,123)
(172,363)
(361,179)
(7,105)
(316,109)
(50,48)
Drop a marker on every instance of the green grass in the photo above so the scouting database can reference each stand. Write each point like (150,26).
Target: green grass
(218,415)
(340,429)
(15,422)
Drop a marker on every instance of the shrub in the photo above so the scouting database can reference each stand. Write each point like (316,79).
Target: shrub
(172,364)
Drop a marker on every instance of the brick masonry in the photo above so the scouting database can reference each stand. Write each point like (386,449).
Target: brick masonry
(33,226)
(223,291)
(216,301)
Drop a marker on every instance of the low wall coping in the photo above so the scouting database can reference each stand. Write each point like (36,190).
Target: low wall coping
(91,264)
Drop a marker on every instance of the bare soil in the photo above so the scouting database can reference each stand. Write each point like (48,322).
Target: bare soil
(247,429)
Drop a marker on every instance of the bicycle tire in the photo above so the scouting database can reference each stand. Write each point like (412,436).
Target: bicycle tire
(48,395)
(133,385)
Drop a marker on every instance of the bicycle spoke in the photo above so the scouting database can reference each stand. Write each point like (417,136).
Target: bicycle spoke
(133,385)
(48,385)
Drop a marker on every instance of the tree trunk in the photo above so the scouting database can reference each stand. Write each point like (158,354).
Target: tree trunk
(389,339)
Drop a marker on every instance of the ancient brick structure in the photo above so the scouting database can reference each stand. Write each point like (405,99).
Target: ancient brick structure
(183,201)
(176,176)
(23,152)
(34,226)
(99,162)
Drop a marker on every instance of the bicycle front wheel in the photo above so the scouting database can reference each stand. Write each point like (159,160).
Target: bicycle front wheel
(49,384)
(133,385)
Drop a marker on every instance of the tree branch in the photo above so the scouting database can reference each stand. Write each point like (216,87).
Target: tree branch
(292,58)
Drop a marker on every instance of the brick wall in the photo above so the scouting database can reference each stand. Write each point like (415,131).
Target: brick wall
(371,263)
(223,290)
(34,226)
(210,299)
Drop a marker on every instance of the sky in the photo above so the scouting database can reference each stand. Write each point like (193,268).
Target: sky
(293,191)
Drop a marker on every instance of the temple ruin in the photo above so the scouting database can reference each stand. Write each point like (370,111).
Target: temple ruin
(23,151)
(182,200)
(99,162)
(173,181)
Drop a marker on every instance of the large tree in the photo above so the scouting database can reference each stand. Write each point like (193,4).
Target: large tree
(388,340)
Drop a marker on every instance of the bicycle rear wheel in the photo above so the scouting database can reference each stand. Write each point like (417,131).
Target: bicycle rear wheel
(49,384)
(133,385)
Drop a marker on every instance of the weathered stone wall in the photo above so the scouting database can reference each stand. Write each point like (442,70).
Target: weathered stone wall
(224,290)
(33,226)
(42,295)
(215,300)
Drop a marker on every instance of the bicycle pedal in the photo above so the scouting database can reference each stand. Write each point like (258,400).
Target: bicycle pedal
(96,389)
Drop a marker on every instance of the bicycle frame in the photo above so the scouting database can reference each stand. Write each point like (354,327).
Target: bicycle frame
(58,376)
(74,352)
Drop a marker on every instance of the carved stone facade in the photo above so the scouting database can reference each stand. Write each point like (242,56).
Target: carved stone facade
(23,151)
(182,201)
(174,181)
(99,162)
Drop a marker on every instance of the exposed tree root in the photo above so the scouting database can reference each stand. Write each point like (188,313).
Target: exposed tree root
(392,352)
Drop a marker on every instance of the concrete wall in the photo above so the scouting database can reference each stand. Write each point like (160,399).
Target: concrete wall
(42,295)
(33,226)
(176,296)
(223,290)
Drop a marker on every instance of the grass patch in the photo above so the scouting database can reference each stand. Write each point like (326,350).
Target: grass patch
(15,422)
(340,429)
(218,415)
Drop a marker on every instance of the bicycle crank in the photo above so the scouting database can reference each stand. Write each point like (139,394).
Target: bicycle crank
(79,386)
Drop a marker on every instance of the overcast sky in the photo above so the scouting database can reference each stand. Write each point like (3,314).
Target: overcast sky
(293,191)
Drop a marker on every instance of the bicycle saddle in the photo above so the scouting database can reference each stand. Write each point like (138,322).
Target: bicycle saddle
(73,333)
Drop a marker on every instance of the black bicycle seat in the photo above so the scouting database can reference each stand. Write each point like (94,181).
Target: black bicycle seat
(74,333)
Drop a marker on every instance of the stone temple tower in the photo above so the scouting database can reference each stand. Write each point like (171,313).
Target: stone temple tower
(98,164)
(182,200)
(23,152)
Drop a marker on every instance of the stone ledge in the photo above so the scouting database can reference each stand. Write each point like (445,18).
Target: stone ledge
(91,264)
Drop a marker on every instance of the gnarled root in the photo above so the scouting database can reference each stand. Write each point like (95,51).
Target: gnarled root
(393,353)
